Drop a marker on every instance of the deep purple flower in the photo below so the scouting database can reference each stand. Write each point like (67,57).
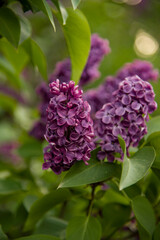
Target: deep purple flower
(69,128)
(125,116)
(99,48)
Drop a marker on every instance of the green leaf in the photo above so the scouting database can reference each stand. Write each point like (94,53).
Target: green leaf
(44,204)
(82,228)
(10,26)
(37,57)
(153,126)
(61,9)
(17,57)
(43,6)
(52,226)
(144,213)
(8,69)
(114,216)
(29,149)
(38,237)
(135,168)
(26,28)
(77,34)
(75,3)
(9,186)
(3,236)
(157,232)
(80,174)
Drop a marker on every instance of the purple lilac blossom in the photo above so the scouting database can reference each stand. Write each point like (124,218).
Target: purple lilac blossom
(99,48)
(125,116)
(69,129)
(104,94)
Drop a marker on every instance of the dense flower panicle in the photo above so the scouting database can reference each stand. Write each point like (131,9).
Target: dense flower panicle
(141,68)
(104,94)
(99,48)
(125,116)
(69,128)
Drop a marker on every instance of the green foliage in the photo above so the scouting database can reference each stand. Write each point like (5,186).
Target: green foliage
(77,35)
(144,213)
(10,26)
(3,236)
(36,55)
(75,3)
(9,186)
(41,206)
(136,167)
(62,10)
(82,228)
(38,237)
(43,6)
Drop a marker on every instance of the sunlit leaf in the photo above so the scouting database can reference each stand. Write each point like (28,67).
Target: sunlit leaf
(82,228)
(75,3)
(144,213)
(77,34)
(26,29)
(61,9)
(9,25)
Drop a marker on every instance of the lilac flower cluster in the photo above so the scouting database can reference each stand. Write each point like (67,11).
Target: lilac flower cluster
(104,94)
(125,116)
(99,48)
(69,128)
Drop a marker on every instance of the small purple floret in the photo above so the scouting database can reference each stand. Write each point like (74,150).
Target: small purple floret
(69,128)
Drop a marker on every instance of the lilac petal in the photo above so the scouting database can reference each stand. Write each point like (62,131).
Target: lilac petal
(61,98)
(60,131)
(120,111)
(126,99)
(135,105)
(127,88)
(46,165)
(152,107)
(99,114)
(70,121)
(106,119)
(57,159)
(61,121)
(85,124)
(149,97)
(116,131)
(74,136)
(71,113)
(62,113)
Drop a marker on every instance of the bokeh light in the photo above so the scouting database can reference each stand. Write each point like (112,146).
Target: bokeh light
(145,44)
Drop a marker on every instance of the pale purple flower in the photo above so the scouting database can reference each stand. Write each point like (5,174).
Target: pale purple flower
(125,116)
(104,94)
(69,128)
